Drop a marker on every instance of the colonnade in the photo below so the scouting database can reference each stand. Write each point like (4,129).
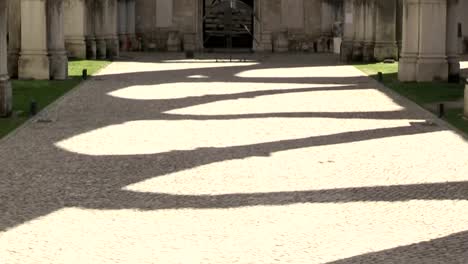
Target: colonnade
(370,30)
(422,34)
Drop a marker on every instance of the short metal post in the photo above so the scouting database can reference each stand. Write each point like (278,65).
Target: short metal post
(380,76)
(441,110)
(84,74)
(33,108)
(465,112)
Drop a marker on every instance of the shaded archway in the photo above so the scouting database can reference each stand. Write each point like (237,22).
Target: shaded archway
(228,24)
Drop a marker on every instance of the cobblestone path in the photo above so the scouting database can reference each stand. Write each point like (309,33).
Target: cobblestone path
(271,160)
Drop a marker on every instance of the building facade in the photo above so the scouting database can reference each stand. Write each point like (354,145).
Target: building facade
(38,36)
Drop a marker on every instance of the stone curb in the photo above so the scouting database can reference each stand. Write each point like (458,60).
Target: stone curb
(400,98)
(51,106)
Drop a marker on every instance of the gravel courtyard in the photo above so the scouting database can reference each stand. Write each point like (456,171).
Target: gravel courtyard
(275,159)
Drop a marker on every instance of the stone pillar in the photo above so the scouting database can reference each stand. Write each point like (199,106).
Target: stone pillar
(326,19)
(368,52)
(100,28)
(111,19)
(33,62)
(359,29)
(453,55)
(410,41)
(5,86)
(385,38)
(14,36)
(122,24)
(90,30)
(131,25)
(348,30)
(432,60)
(75,28)
(56,40)
(399,25)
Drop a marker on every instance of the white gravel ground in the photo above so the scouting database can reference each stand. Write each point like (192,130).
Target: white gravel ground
(281,159)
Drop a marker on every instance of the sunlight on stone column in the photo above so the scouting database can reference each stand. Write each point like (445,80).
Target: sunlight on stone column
(464,65)
(153,136)
(303,72)
(300,233)
(189,89)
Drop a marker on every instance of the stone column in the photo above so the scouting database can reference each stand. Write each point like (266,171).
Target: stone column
(122,24)
(5,86)
(359,29)
(453,55)
(348,30)
(432,60)
(90,30)
(75,28)
(410,41)
(100,28)
(14,36)
(131,24)
(368,52)
(399,25)
(56,40)
(111,19)
(326,19)
(33,62)
(385,38)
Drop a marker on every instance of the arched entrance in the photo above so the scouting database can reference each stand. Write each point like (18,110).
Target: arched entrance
(228,24)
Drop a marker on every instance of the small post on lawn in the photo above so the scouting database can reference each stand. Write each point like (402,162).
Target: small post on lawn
(84,74)
(441,110)
(465,112)
(380,76)
(33,108)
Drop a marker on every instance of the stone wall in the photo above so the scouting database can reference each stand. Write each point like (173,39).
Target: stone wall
(300,21)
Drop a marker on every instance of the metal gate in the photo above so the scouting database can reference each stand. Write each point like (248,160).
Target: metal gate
(228,24)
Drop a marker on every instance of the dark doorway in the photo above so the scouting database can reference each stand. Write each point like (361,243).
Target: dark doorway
(228,23)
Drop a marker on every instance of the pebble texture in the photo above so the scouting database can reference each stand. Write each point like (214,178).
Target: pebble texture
(279,159)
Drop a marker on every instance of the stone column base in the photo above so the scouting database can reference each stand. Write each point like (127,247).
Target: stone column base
(358,51)
(123,42)
(58,65)
(34,66)
(101,49)
(454,69)
(407,69)
(346,53)
(13,58)
(264,42)
(112,48)
(431,69)
(189,42)
(5,97)
(281,42)
(76,48)
(368,52)
(384,51)
(173,42)
(134,44)
(91,49)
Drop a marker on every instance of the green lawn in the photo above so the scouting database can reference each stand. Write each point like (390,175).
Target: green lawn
(423,94)
(44,92)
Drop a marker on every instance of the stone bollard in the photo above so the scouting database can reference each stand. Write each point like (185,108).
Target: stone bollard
(465,113)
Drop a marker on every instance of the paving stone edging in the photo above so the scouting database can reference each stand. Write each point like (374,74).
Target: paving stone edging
(404,100)
(51,106)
